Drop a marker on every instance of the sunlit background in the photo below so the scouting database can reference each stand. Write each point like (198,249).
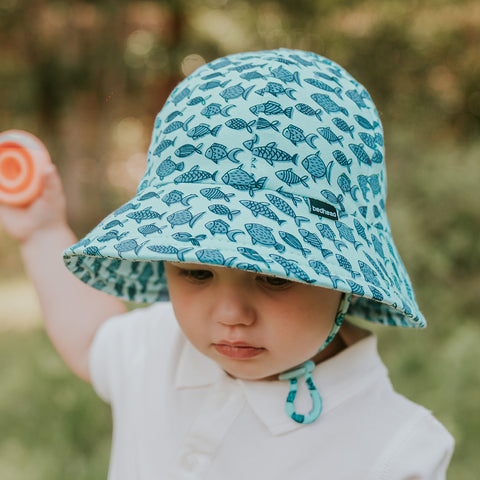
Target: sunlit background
(88,77)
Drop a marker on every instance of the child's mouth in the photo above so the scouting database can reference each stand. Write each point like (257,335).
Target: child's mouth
(237,350)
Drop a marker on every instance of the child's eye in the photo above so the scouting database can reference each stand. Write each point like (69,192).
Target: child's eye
(275,282)
(196,275)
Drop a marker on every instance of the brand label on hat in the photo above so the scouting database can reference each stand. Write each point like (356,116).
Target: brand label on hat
(323,209)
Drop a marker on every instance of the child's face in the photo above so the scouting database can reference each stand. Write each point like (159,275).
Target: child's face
(254,326)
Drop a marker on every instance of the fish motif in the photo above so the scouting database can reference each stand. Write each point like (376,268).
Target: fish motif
(321,269)
(364,186)
(219,226)
(93,251)
(263,235)
(181,217)
(315,166)
(145,276)
(291,267)
(188,237)
(217,152)
(249,267)
(241,180)
(345,185)
(236,91)
(282,74)
(145,214)
(368,140)
(177,125)
(361,231)
(295,200)
(355,288)
(359,152)
(327,77)
(328,104)
(357,98)
(271,108)
(214,257)
(313,240)
(170,250)
(364,123)
(163,145)
(211,84)
(128,245)
(175,196)
(374,184)
(285,208)
(247,66)
(377,245)
(172,116)
(329,136)
(148,196)
(293,242)
(377,157)
(188,149)
(197,100)
(167,167)
(269,152)
(327,233)
(219,209)
(185,93)
(253,255)
(323,86)
(346,265)
(194,175)
(111,235)
(309,111)
(201,130)
(216,194)
(263,123)
(261,208)
(343,125)
(125,208)
(276,89)
(342,160)
(252,75)
(213,75)
(149,229)
(291,178)
(301,60)
(347,233)
(296,135)
(240,124)
(215,109)
(376,294)
(368,273)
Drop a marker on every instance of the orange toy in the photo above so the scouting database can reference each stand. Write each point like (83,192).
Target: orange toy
(22,160)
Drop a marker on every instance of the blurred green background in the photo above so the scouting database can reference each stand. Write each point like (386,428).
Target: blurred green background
(88,78)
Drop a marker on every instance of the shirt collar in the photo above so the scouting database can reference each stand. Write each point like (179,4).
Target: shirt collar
(337,379)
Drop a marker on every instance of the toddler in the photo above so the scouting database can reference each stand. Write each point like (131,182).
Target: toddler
(263,210)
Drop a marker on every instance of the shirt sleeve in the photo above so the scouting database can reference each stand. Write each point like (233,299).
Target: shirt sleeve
(420,451)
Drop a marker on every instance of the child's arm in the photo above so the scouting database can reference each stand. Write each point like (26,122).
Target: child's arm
(72,310)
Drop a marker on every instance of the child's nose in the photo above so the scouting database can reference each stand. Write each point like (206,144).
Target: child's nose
(233,306)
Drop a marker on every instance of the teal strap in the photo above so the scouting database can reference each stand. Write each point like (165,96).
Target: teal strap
(305,370)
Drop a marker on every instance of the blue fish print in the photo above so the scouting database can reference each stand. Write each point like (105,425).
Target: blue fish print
(368,140)
(197,100)
(347,233)
(111,235)
(217,152)
(285,208)
(323,86)
(236,91)
(126,208)
(203,129)
(314,241)
(145,214)
(163,145)
(361,231)
(240,124)
(263,123)
(291,178)
(221,227)
(177,125)
(215,109)
(149,229)
(345,184)
(148,196)
(296,135)
(271,108)
(181,217)
(253,255)
(261,208)
(308,110)
(364,123)
(175,196)
(359,152)
(295,200)
(269,152)
(263,235)
(342,160)
(127,246)
(219,209)
(173,115)
(327,77)
(282,74)
(188,149)
(291,267)
(213,84)
(357,98)
(167,167)
(377,245)
(276,89)
(356,288)
(364,186)
(346,265)
(249,267)
(216,194)
(329,136)
(327,233)
(185,93)
(93,251)
(214,257)
(343,125)
(188,237)
(293,242)
(241,180)
(328,104)
(315,166)
(368,273)
(251,75)
(170,250)
(194,175)
(321,269)
(374,184)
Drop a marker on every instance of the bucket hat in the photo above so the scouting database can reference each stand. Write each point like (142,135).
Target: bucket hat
(269,161)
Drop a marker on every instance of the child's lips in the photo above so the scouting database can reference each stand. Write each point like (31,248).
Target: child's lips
(237,350)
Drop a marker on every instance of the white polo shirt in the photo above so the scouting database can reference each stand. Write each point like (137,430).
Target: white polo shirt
(177,415)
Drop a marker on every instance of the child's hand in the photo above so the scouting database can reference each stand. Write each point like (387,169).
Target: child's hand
(46,212)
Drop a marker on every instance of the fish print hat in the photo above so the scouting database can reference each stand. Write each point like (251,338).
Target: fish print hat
(271,162)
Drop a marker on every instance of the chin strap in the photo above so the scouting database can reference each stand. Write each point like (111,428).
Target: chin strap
(305,370)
